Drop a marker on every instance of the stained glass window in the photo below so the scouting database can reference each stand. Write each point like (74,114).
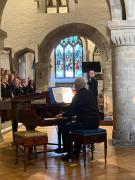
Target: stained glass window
(69,57)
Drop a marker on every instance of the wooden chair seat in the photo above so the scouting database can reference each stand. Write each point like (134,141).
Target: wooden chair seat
(86,137)
(30,139)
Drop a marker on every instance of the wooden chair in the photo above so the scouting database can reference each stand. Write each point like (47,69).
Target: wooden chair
(29,139)
(86,137)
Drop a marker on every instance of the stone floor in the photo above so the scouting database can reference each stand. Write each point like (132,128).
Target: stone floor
(5,125)
(120,163)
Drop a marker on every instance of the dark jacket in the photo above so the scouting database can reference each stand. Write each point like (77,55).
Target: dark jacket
(84,106)
(93,85)
(31,89)
(8,91)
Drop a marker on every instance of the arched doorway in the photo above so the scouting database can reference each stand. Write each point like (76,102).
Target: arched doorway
(54,37)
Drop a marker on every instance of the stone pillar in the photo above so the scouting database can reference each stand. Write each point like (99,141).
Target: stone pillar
(107,87)
(3,35)
(42,76)
(123,70)
(130,9)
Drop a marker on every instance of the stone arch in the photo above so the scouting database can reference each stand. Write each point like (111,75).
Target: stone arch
(79,29)
(17,55)
(23,51)
(114,6)
(43,67)
(2,6)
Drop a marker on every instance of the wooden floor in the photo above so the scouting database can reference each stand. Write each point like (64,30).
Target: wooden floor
(120,163)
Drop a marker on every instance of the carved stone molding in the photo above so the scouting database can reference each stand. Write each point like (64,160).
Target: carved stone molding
(122,32)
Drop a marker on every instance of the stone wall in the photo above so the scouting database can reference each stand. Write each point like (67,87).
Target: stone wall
(26,27)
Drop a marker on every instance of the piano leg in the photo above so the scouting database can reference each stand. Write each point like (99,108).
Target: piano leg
(14,127)
(59,136)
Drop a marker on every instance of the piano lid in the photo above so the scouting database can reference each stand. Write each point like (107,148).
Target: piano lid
(29,97)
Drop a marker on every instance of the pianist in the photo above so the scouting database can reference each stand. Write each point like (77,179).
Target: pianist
(84,107)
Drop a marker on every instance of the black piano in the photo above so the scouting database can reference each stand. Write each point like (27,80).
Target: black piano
(34,110)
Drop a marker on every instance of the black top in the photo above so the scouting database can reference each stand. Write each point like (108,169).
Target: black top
(93,85)
(6,91)
(25,89)
(31,89)
(3,91)
(84,106)
(18,91)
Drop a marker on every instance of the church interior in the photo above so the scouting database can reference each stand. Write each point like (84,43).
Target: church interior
(46,44)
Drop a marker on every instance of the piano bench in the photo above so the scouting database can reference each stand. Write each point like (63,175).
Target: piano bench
(86,137)
(29,139)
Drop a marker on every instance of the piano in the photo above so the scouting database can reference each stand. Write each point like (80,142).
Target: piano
(34,110)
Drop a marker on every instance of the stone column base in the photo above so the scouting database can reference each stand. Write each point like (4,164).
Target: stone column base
(122,138)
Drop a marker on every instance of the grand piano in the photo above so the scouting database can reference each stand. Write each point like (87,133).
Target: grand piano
(34,110)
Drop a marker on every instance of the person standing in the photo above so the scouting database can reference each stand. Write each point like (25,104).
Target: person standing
(93,83)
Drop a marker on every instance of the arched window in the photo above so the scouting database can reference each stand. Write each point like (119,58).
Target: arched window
(68,58)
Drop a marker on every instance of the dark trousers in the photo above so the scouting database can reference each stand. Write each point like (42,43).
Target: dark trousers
(66,128)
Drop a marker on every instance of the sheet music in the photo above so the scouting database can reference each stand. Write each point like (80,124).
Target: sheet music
(63,94)
(67,95)
(57,92)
